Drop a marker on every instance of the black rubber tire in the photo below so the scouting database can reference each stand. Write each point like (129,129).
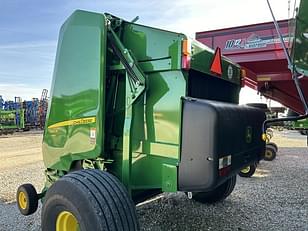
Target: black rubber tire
(252,170)
(273,145)
(31,199)
(270,153)
(97,199)
(218,194)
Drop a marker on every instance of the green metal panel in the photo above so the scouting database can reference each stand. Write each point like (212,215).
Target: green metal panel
(300,44)
(75,119)
(156,137)
(147,43)
(155,130)
(169,180)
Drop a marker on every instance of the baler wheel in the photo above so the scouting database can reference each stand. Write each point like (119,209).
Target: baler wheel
(88,200)
(27,199)
(218,194)
(248,171)
(270,153)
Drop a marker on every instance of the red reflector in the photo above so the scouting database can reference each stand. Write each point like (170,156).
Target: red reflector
(186,62)
(224,171)
(216,63)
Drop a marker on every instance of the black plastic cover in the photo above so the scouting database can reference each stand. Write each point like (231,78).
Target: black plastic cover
(214,130)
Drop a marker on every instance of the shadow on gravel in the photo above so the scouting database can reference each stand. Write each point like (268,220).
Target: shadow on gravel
(176,212)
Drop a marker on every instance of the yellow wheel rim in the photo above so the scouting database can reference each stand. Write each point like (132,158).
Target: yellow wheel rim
(66,221)
(245,170)
(268,154)
(22,200)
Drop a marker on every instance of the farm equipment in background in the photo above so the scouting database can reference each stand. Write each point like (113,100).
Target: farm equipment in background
(273,57)
(42,110)
(26,114)
(300,125)
(35,111)
(11,120)
(11,116)
(258,50)
(31,113)
(136,111)
(261,50)
(1,102)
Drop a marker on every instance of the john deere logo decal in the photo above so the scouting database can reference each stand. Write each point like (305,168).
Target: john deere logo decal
(248,134)
(230,72)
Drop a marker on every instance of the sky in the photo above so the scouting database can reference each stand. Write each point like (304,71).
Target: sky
(29,31)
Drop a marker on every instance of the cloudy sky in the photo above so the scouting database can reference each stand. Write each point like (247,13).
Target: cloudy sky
(29,30)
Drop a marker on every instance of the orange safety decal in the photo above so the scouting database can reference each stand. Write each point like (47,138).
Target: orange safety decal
(216,66)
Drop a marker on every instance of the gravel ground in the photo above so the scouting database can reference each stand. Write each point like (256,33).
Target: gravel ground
(21,161)
(275,198)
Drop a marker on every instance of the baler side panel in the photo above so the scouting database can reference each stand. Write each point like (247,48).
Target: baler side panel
(161,126)
(156,120)
(74,128)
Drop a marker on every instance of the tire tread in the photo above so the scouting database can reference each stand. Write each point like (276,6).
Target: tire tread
(102,191)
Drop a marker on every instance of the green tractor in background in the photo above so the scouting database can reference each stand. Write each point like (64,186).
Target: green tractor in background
(11,120)
(135,111)
(301,125)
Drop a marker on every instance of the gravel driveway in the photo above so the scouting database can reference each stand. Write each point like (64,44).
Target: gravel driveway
(275,198)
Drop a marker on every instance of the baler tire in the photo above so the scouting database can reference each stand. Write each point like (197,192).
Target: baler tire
(27,199)
(91,199)
(270,153)
(218,194)
(273,145)
(250,172)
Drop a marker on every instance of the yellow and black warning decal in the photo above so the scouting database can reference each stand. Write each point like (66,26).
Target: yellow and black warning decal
(74,122)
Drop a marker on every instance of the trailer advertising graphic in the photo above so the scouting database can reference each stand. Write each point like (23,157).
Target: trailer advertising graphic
(253,42)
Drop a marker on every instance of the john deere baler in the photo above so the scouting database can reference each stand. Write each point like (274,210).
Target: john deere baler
(135,111)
